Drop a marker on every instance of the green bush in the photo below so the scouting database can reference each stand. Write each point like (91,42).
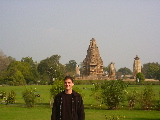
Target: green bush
(11,97)
(57,87)
(96,92)
(113,93)
(3,96)
(157,103)
(132,98)
(29,97)
(140,77)
(147,97)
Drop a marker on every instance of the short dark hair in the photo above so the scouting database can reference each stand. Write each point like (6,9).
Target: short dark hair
(68,77)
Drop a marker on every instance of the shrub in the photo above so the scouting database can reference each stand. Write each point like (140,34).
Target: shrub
(11,97)
(3,96)
(57,87)
(140,77)
(147,97)
(78,90)
(158,103)
(131,98)
(96,92)
(113,93)
(29,97)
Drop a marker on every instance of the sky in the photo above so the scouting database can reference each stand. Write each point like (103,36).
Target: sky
(42,28)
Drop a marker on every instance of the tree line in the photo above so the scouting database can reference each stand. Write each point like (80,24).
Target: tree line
(27,71)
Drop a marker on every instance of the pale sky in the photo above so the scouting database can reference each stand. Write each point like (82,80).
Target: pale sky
(42,28)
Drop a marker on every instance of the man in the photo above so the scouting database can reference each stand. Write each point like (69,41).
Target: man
(68,105)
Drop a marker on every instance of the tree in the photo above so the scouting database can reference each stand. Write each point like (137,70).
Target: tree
(11,59)
(2,77)
(4,61)
(158,74)
(47,63)
(125,71)
(52,68)
(20,69)
(12,76)
(140,77)
(16,78)
(20,73)
(71,67)
(150,70)
(28,60)
(33,69)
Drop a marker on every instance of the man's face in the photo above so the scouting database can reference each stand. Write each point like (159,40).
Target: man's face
(68,84)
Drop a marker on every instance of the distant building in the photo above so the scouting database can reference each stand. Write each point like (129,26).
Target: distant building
(136,66)
(93,64)
(77,71)
(112,71)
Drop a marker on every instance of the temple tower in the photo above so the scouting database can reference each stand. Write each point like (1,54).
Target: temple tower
(93,64)
(136,66)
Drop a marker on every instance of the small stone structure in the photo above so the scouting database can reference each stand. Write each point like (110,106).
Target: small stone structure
(93,64)
(136,66)
(77,71)
(112,71)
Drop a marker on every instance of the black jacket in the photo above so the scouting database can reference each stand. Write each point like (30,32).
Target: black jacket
(77,107)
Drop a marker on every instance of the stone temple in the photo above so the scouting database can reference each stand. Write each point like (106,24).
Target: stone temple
(93,64)
(136,66)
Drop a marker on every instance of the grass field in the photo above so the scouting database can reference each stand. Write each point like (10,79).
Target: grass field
(42,110)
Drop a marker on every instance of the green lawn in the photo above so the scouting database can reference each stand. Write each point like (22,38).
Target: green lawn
(42,111)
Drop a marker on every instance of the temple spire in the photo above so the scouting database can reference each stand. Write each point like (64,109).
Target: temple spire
(93,64)
(136,66)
